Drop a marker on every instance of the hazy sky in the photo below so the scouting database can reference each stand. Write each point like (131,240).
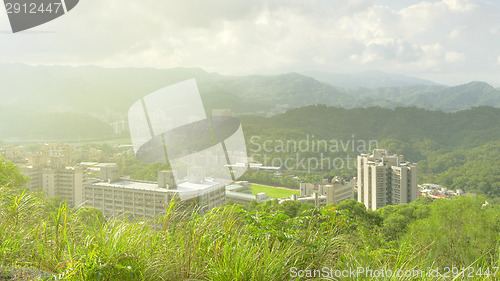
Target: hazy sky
(448,41)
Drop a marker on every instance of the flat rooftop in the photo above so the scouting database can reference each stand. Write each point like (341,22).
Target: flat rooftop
(235,187)
(184,187)
(240,195)
(88,163)
(138,185)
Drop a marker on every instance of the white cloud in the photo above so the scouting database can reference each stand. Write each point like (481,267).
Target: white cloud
(454,57)
(262,36)
(455,33)
(460,5)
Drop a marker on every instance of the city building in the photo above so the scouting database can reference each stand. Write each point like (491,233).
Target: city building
(435,191)
(57,179)
(241,193)
(141,199)
(50,168)
(66,182)
(34,173)
(385,179)
(326,192)
(14,154)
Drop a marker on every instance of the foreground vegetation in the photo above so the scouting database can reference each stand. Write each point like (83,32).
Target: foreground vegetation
(259,242)
(263,242)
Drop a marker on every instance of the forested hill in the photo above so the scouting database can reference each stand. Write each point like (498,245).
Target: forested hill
(458,150)
(476,169)
(410,128)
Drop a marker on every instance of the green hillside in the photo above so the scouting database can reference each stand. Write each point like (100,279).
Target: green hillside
(474,170)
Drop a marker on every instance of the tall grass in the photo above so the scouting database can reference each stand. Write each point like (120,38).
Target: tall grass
(228,243)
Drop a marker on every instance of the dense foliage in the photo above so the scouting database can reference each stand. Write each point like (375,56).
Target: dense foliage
(261,242)
(474,170)
(10,176)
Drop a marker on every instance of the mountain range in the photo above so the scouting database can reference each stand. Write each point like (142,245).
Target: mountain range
(105,94)
(368,79)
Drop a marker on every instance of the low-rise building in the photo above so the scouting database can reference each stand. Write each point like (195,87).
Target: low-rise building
(326,192)
(435,191)
(241,193)
(141,199)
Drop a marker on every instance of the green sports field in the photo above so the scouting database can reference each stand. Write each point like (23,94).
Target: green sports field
(273,192)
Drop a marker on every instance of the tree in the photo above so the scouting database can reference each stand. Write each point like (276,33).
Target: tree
(358,212)
(394,226)
(90,216)
(290,208)
(458,232)
(10,176)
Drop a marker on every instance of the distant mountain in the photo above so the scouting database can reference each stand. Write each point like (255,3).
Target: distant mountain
(100,90)
(293,89)
(30,94)
(86,88)
(369,79)
(459,97)
(430,97)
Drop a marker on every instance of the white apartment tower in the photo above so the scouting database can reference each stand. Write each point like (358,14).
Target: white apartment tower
(56,179)
(385,179)
(66,183)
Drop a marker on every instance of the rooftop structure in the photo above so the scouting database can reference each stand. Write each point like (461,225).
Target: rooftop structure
(150,199)
(325,193)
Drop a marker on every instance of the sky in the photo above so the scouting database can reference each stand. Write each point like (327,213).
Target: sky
(448,41)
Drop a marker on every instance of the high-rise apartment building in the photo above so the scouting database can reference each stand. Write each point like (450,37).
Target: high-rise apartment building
(66,183)
(385,179)
(56,179)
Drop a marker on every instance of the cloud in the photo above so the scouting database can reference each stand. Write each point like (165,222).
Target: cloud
(460,5)
(263,36)
(454,57)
